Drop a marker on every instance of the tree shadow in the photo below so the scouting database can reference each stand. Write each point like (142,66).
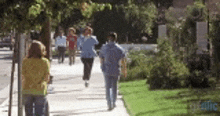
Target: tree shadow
(70,91)
(6,58)
(196,96)
(5,50)
(154,111)
(78,112)
(63,79)
(191,92)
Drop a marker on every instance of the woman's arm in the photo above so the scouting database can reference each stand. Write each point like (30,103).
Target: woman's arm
(47,79)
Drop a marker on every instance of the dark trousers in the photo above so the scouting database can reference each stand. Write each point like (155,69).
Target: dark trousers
(87,62)
(61,53)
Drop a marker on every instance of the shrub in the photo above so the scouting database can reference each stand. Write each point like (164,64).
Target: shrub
(167,69)
(140,65)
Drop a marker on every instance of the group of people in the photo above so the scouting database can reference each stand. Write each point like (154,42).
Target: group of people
(36,68)
(62,43)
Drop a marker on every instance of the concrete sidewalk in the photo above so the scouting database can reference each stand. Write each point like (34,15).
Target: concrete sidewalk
(68,95)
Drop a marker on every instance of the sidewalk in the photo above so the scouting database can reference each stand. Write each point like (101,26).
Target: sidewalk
(68,95)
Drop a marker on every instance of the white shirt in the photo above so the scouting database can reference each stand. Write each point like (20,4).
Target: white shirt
(60,41)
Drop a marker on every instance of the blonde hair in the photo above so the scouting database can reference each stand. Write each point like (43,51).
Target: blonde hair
(36,50)
(89,28)
(72,29)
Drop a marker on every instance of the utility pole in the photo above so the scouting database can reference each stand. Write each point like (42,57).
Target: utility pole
(20,59)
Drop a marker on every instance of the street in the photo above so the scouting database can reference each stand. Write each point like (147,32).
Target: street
(5,69)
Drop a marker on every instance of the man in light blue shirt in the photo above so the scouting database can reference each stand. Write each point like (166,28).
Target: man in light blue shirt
(86,44)
(60,45)
(110,55)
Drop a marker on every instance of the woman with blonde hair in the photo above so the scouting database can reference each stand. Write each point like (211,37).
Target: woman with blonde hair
(35,76)
(87,44)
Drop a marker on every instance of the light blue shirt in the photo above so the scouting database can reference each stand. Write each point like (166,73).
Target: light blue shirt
(87,46)
(60,41)
(112,53)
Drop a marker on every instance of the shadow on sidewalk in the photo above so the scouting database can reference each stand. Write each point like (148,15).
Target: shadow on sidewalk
(78,111)
(63,79)
(70,91)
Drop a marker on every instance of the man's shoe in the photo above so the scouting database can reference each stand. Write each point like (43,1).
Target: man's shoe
(86,83)
(110,108)
(114,105)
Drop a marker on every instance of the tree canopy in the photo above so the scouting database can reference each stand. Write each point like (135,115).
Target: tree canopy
(30,14)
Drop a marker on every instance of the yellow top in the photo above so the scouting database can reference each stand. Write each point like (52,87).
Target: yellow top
(34,72)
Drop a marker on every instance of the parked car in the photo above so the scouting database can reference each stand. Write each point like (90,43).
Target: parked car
(7,41)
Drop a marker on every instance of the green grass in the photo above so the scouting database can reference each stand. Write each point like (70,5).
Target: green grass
(140,101)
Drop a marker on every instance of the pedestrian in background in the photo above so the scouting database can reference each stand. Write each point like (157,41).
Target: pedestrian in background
(72,45)
(60,45)
(87,42)
(110,55)
(35,76)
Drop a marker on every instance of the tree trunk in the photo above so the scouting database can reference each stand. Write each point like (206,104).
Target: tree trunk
(46,37)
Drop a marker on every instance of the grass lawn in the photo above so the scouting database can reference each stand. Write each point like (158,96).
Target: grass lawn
(140,101)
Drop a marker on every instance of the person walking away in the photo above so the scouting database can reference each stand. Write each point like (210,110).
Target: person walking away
(87,42)
(35,76)
(110,55)
(72,45)
(60,45)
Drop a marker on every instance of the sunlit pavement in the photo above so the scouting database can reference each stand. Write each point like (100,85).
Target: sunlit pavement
(69,96)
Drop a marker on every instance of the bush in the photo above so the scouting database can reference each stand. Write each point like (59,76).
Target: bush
(167,69)
(162,69)
(139,65)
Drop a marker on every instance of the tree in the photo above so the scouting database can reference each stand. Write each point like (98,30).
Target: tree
(129,20)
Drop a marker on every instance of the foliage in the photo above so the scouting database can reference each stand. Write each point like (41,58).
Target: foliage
(182,29)
(167,68)
(31,14)
(162,69)
(214,38)
(94,7)
(140,17)
(139,65)
(129,20)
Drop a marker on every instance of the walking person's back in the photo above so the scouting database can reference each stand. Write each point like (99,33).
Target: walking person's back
(35,76)
(110,55)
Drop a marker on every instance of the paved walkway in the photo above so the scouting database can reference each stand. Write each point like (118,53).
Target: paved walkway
(68,95)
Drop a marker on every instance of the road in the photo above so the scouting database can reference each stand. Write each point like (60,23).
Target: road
(5,69)
(5,66)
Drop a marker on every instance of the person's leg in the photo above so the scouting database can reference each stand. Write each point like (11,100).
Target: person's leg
(59,54)
(74,55)
(40,103)
(84,68)
(28,103)
(63,53)
(47,112)
(114,89)
(90,64)
(108,87)
(70,57)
